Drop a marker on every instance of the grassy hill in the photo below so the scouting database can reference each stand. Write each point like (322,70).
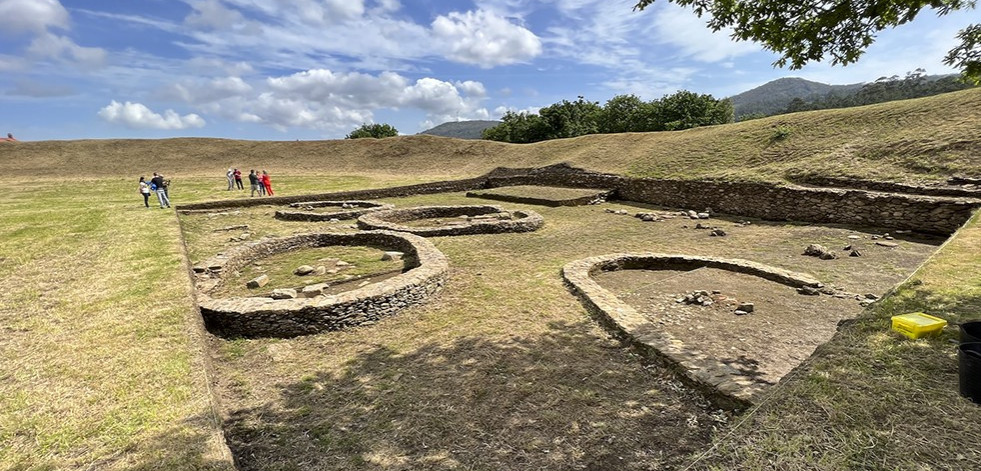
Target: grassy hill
(925,139)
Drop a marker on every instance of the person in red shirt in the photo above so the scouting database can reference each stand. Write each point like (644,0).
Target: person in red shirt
(267,183)
(238,179)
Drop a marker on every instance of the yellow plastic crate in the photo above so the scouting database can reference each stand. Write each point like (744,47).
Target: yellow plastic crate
(917,324)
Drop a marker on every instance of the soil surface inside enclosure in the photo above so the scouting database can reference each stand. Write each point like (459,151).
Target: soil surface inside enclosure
(505,369)
(546,195)
(784,328)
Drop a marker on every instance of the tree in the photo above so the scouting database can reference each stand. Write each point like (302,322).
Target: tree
(626,113)
(684,110)
(806,31)
(518,128)
(571,118)
(373,130)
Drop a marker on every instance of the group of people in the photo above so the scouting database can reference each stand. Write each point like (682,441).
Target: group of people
(158,184)
(260,183)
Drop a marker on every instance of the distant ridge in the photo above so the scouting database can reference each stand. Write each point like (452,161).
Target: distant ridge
(461,129)
(774,96)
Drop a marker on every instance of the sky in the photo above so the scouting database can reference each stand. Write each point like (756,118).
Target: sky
(318,69)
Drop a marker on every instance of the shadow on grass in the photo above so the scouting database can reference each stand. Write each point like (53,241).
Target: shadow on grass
(869,399)
(555,402)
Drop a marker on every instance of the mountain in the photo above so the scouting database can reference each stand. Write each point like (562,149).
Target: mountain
(461,129)
(773,97)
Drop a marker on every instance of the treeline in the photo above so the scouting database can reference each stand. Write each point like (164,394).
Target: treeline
(916,84)
(622,113)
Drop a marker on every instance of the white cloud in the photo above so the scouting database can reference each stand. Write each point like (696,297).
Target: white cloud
(211,14)
(471,88)
(681,28)
(328,100)
(485,39)
(35,16)
(199,92)
(52,46)
(138,116)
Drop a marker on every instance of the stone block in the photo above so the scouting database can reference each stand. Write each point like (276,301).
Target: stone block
(258,282)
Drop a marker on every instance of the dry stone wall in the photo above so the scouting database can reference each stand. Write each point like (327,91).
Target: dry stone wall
(522,221)
(346,210)
(266,317)
(723,384)
(930,214)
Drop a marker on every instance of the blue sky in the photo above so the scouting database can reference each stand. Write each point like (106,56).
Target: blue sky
(317,69)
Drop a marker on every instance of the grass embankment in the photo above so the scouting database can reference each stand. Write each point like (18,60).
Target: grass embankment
(870,399)
(926,139)
(102,365)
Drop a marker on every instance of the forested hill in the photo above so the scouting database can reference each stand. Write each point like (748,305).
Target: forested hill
(461,129)
(789,95)
(773,97)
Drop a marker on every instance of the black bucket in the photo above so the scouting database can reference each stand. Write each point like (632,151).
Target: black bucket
(970,331)
(969,364)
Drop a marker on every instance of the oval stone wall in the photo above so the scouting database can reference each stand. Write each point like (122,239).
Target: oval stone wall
(266,317)
(522,221)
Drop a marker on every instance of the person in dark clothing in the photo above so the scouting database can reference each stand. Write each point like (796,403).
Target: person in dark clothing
(158,181)
(254,182)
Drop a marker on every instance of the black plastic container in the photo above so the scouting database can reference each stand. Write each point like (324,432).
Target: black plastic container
(970,331)
(969,367)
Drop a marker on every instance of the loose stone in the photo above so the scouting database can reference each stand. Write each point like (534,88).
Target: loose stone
(258,282)
(392,256)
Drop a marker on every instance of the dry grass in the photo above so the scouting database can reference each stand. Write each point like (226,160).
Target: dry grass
(925,139)
(505,370)
(102,367)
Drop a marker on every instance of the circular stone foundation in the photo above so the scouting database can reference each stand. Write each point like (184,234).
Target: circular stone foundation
(726,386)
(479,219)
(266,317)
(305,211)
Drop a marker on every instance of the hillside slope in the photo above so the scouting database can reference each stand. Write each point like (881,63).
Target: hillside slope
(920,140)
(774,96)
(461,129)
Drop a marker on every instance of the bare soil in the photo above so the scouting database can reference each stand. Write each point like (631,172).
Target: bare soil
(784,328)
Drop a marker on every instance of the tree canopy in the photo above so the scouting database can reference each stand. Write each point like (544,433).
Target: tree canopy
(807,31)
(373,130)
(622,113)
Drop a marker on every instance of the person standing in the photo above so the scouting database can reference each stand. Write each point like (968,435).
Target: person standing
(158,181)
(238,179)
(230,175)
(254,182)
(145,191)
(267,183)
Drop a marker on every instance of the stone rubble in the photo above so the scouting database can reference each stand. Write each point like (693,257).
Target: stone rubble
(819,251)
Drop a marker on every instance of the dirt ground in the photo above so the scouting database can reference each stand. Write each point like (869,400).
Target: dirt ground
(504,369)
(784,328)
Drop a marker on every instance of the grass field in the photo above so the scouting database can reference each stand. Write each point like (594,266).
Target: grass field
(103,367)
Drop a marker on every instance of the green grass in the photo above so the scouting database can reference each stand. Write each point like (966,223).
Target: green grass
(104,366)
(365,261)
